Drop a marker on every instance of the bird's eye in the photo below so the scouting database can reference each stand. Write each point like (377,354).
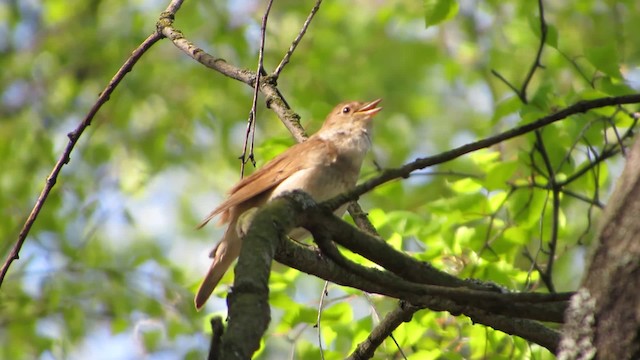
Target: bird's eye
(346,110)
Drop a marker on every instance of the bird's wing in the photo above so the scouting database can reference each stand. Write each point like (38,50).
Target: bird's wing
(313,152)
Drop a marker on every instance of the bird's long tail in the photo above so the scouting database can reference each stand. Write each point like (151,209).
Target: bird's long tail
(223,256)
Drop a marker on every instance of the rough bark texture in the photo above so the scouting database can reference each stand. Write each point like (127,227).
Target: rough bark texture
(610,325)
(249,311)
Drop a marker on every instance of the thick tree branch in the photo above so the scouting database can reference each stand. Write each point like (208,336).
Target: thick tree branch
(249,312)
(307,259)
(217,329)
(408,273)
(529,330)
(249,309)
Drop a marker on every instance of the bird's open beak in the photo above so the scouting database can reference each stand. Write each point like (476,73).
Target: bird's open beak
(370,108)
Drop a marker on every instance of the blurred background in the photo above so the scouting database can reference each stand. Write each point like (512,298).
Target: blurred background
(111,265)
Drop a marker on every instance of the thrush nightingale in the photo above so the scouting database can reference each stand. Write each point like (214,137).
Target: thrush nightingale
(325,165)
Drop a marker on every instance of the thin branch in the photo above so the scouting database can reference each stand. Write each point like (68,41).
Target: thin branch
(615,131)
(421,163)
(607,153)
(591,201)
(522,92)
(320,308)
(165,26)
(451,173)
(534,166)
(274,99)
(567,157)
(596,195)
(596,192)
(534,263)
(575,65)
(553,242)
(536,63)
(74,136)
(173,7)
(361,219)
(296,41)
(251,122)
(506,82)
(492,218)
(547,276)
(366,349)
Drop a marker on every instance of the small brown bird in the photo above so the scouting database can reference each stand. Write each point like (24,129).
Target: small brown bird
(325,165)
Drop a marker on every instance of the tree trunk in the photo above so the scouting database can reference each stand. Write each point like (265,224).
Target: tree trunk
(603,321)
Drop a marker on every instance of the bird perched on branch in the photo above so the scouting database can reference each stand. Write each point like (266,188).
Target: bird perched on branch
(325,165)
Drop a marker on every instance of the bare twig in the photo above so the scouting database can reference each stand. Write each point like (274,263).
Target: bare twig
(609,120)
(522,92)
(318,320)
(604,155)
(575,65)
(251,122)
(366,349)
(506,82)
(547,275)
(74,136)
(591,201)
(268,87)
(173,7)
(535,168)
(451,173)
(536,63)
(534,262)
(580,137)
(296,41)
(492,218)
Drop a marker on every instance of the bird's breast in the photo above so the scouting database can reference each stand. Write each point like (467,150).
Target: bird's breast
(321,182)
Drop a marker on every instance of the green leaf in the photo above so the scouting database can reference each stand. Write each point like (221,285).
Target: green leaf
(484,157)
(552,36)
(466,186)
(552,31)
(464,203)
(508,106)
(499,174)
(605,59)
(405,222)
(119,325)
(517,235)
(463,235)
(151,339)
(437,11)
(497,200)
